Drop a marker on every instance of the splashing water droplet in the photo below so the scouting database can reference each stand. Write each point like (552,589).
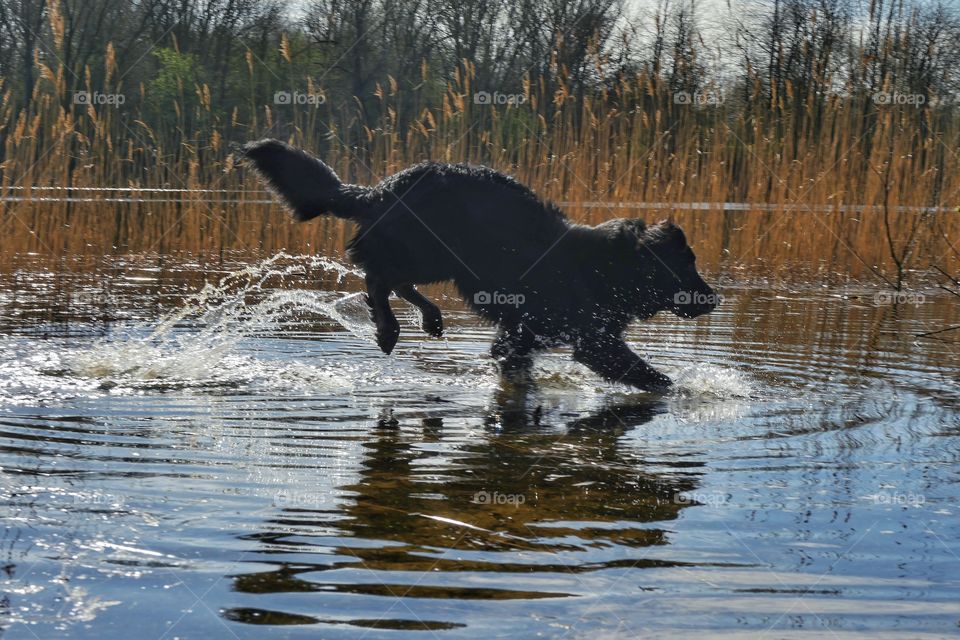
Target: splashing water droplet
(220,316)
(710,381)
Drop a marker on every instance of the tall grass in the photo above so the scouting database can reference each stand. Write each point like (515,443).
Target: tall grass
(628,142)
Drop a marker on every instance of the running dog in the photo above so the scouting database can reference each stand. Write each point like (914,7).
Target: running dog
(516,259)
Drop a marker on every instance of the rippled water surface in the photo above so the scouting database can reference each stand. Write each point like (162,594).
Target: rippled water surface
(241,461)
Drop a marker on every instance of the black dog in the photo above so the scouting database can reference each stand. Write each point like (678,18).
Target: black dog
(516,259)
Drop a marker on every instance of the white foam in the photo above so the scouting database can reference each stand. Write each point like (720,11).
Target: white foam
(220,317)
(711,381)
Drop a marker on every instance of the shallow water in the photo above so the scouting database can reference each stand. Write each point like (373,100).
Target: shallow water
(241,461)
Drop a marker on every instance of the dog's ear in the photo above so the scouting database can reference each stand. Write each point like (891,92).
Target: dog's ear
(623,229)
(668,234)
(630,229)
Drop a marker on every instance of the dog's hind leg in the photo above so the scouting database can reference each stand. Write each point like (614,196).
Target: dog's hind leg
(432,319)
(513,350)
(388,329)
(611,358)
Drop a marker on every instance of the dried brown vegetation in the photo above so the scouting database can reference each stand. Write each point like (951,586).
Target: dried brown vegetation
(803,154)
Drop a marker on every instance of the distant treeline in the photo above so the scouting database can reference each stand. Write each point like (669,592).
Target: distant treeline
(180,62)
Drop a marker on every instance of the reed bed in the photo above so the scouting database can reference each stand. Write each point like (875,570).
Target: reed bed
(626,143)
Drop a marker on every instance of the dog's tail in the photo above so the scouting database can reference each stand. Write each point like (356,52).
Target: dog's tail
(305,185)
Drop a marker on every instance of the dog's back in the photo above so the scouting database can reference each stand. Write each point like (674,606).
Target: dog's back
(439,222)
(429,223)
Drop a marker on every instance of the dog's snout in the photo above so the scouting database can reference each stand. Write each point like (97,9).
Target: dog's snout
(695,302)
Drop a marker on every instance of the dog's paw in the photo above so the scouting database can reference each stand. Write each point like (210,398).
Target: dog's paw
(387,337)
(656,382)
(432,324)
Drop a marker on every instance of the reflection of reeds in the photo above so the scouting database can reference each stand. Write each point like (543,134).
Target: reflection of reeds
(628,143)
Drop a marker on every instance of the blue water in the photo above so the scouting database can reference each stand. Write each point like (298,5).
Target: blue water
(245,463)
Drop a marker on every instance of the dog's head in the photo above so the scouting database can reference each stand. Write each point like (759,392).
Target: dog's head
(666,270)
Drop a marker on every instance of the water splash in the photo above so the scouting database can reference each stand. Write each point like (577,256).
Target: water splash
(197,344)
(701,380)
(711,381)
(215,340)
(228,297)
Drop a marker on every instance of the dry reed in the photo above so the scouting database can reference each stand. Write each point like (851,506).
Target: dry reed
(628,143)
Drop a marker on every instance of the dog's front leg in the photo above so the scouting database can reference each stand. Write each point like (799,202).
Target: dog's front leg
(611,358)
(388,329)
(432,320)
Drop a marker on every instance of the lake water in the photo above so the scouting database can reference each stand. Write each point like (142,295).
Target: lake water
(241,461)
